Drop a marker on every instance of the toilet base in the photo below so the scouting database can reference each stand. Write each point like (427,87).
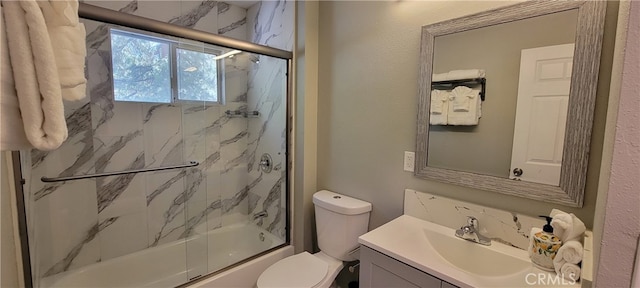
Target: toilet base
(335,266)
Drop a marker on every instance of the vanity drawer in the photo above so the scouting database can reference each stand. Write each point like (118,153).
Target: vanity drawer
(379,270)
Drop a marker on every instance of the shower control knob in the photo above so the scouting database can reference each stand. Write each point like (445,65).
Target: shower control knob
(517,172)
(266,163)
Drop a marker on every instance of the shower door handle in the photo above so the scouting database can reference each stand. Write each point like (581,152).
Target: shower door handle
(79,177)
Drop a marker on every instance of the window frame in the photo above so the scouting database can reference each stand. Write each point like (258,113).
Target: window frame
(174,45)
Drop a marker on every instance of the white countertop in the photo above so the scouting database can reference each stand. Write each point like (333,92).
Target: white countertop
(404,239)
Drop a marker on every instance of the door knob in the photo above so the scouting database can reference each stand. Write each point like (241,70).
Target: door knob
(517,172)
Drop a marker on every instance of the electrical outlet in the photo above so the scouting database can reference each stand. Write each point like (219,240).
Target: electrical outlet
(409,161)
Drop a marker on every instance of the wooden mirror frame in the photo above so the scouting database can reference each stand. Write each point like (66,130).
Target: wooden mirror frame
(584,82)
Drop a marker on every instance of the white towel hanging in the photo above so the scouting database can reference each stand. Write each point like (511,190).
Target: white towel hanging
(12,135)
(439,107)
(69,45)
(35,75)
(461,98)
(470,115)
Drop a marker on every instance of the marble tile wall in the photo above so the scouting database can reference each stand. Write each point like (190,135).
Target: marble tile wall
(270,23)
(78,223)
(503,226)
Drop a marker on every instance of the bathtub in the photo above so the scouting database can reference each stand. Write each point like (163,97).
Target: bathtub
(178,262)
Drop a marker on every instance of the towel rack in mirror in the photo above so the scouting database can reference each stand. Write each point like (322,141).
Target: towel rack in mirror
(450,84)
(96,175)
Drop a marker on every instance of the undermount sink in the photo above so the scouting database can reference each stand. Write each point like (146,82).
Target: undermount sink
(473,257)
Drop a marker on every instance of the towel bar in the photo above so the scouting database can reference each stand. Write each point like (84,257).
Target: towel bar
(450,84)
(79,177)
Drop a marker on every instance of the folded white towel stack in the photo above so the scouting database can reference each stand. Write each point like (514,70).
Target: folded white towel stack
(439,107)
(458,74)
(570,252)
(465,106)
(567,226)
(570,271)
(570,230)
(35,75)
(69,48)
(568,259)
(440,77)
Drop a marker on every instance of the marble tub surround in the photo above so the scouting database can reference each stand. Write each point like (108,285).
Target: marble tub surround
(270,23)
(77,223)
(502,226)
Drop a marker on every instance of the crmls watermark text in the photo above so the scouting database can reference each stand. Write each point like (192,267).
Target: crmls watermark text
(549,279)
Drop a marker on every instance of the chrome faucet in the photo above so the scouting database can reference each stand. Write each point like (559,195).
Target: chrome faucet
(471,232)
(259,215)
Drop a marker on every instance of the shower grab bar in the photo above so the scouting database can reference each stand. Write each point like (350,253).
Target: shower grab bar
(79,177)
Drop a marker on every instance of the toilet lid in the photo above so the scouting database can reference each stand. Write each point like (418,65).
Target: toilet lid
(301,270)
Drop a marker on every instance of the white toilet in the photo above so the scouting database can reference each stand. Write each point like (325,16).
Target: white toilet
(340,220)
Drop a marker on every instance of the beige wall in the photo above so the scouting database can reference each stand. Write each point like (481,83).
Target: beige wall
(9,265)
(610,128)
(496,49)
(368,97)
(305,123)
(618,220)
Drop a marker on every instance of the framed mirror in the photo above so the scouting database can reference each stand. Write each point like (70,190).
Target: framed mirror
(531,72)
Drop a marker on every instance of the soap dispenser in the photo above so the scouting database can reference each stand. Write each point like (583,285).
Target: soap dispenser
(544,247)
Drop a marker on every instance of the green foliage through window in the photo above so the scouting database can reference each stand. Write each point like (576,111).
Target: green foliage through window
(197,76)
(143,70)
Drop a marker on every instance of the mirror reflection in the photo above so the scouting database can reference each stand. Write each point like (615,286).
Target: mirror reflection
(518,131)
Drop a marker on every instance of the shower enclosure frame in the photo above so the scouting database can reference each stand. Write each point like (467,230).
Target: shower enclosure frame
(105,15)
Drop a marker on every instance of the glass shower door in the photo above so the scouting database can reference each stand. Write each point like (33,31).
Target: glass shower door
(161,228)
(199,93)
(245,195)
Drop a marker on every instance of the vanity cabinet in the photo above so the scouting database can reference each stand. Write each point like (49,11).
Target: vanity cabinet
(380,270)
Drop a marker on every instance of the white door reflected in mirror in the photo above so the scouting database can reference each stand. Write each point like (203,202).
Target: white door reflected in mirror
(541,113)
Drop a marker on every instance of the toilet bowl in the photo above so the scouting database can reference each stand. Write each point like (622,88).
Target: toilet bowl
(340,220)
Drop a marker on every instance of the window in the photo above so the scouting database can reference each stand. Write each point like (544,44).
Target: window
(150,69)
(197,76)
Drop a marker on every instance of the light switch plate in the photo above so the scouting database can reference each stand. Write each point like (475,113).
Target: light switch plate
(409,161)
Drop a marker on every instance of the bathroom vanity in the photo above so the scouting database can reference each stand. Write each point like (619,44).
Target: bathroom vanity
(380,270)
(410,252)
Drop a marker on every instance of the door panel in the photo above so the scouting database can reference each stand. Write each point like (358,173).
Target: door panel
(541,113)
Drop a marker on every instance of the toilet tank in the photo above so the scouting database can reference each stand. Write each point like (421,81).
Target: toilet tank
(340,220)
